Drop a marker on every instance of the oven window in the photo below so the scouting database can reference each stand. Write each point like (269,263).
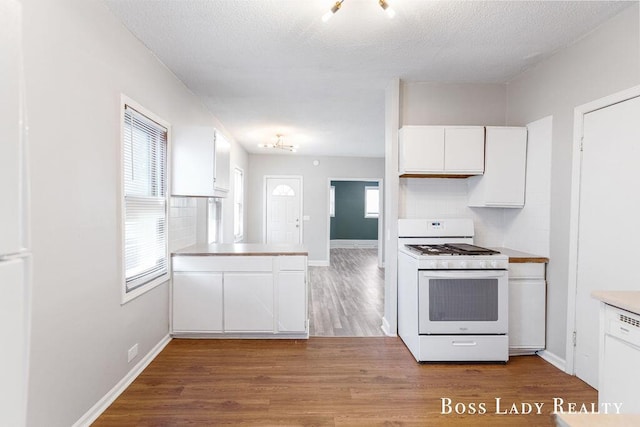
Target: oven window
(455,300)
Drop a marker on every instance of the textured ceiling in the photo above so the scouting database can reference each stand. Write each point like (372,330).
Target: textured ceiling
(272,66)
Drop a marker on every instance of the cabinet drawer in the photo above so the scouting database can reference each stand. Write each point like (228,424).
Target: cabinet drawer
(222,263)
(529,270)
(292,263)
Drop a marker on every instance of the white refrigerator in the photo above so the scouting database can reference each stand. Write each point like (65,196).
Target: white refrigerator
(15,257)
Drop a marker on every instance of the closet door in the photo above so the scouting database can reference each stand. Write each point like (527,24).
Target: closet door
(608,225)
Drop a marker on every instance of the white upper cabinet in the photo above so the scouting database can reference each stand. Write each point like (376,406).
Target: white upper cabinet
(464,150)
(200,162)
(503,182)
(441,150)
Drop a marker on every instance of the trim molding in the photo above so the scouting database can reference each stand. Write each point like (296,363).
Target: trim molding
(386,328)
(101,405)
(554,359)
(353,243)
(320,263)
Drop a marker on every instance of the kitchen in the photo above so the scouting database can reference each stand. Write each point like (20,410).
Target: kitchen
(79,59)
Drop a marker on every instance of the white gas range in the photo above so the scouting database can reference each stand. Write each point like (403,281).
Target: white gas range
(452,295)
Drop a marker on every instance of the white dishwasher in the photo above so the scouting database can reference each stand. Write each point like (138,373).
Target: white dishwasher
(619,376)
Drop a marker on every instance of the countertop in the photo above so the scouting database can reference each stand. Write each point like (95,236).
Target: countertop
(242,249)
(521,257)
(626,300)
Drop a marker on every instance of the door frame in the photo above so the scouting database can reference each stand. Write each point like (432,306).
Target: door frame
(574,219)
(264,203)
(380,182)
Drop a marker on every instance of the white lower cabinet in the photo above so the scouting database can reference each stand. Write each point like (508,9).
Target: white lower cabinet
(248,302)
(527,302)
(247,296)
(197,302)
(292,297)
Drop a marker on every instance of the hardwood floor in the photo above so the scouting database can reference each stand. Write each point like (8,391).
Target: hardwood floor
(332,382)
(347,298)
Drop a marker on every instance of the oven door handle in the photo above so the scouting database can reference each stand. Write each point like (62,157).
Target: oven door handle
(465,274)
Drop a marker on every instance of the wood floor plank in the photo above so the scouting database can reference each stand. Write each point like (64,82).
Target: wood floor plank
(347,298)
(330,382)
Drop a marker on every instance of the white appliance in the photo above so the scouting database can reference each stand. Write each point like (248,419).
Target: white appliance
(619,355)
(14,252)
(452,296)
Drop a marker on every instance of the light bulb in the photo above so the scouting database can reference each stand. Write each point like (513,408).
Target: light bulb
(332,11)
(388,10)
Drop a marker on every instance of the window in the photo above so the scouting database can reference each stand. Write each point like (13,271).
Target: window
(144,156)
(371,202)
(214,220)
(332,201)
(238,204)
(283,190)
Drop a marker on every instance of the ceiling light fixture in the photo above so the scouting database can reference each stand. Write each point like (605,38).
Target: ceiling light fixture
(336,7)
(279,144)
(388,10)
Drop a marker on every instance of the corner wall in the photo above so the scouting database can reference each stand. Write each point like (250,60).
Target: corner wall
(78,60)
(603,62)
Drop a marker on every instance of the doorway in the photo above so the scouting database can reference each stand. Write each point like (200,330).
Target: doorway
(347,295)
(603,211)
(283,206)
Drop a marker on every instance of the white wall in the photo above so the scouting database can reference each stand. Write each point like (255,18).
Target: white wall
(604,62)
(315,191)
(239,159)
(78,60)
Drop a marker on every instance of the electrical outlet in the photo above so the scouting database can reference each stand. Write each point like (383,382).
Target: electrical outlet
(132,353)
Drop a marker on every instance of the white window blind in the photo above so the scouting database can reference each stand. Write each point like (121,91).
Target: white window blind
(145,199)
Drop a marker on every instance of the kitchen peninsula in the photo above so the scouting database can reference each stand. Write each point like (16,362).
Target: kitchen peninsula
(244,290)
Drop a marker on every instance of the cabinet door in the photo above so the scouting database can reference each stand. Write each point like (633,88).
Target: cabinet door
(223,165)
(292,301)
(193,157)
(527,300)
(421,149)
(464,150)
(248,302)
(506,166)
(197,302)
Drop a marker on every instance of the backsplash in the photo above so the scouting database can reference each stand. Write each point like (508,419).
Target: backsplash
(182,222)
(447,198)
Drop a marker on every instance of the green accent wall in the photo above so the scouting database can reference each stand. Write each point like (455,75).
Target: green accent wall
(349,222)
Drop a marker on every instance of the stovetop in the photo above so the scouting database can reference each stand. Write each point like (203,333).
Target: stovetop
(451,249)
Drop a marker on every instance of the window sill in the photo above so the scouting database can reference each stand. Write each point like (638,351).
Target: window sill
(130,296)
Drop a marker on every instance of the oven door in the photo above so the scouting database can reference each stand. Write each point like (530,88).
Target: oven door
(463,302)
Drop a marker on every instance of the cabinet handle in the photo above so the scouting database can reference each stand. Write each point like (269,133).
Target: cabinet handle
(625,330)
(464,343)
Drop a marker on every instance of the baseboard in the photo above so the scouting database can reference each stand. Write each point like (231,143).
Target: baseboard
(318,263)
(353,244)
(554,359)
(92,414)
(386,328)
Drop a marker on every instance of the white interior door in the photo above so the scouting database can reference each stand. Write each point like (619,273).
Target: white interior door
(283,223)
(609,204)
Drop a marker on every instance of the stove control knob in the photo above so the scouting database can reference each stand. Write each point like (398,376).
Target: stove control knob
(433,264)
(463,264)
(494,264)
(482,264)
(444,264)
